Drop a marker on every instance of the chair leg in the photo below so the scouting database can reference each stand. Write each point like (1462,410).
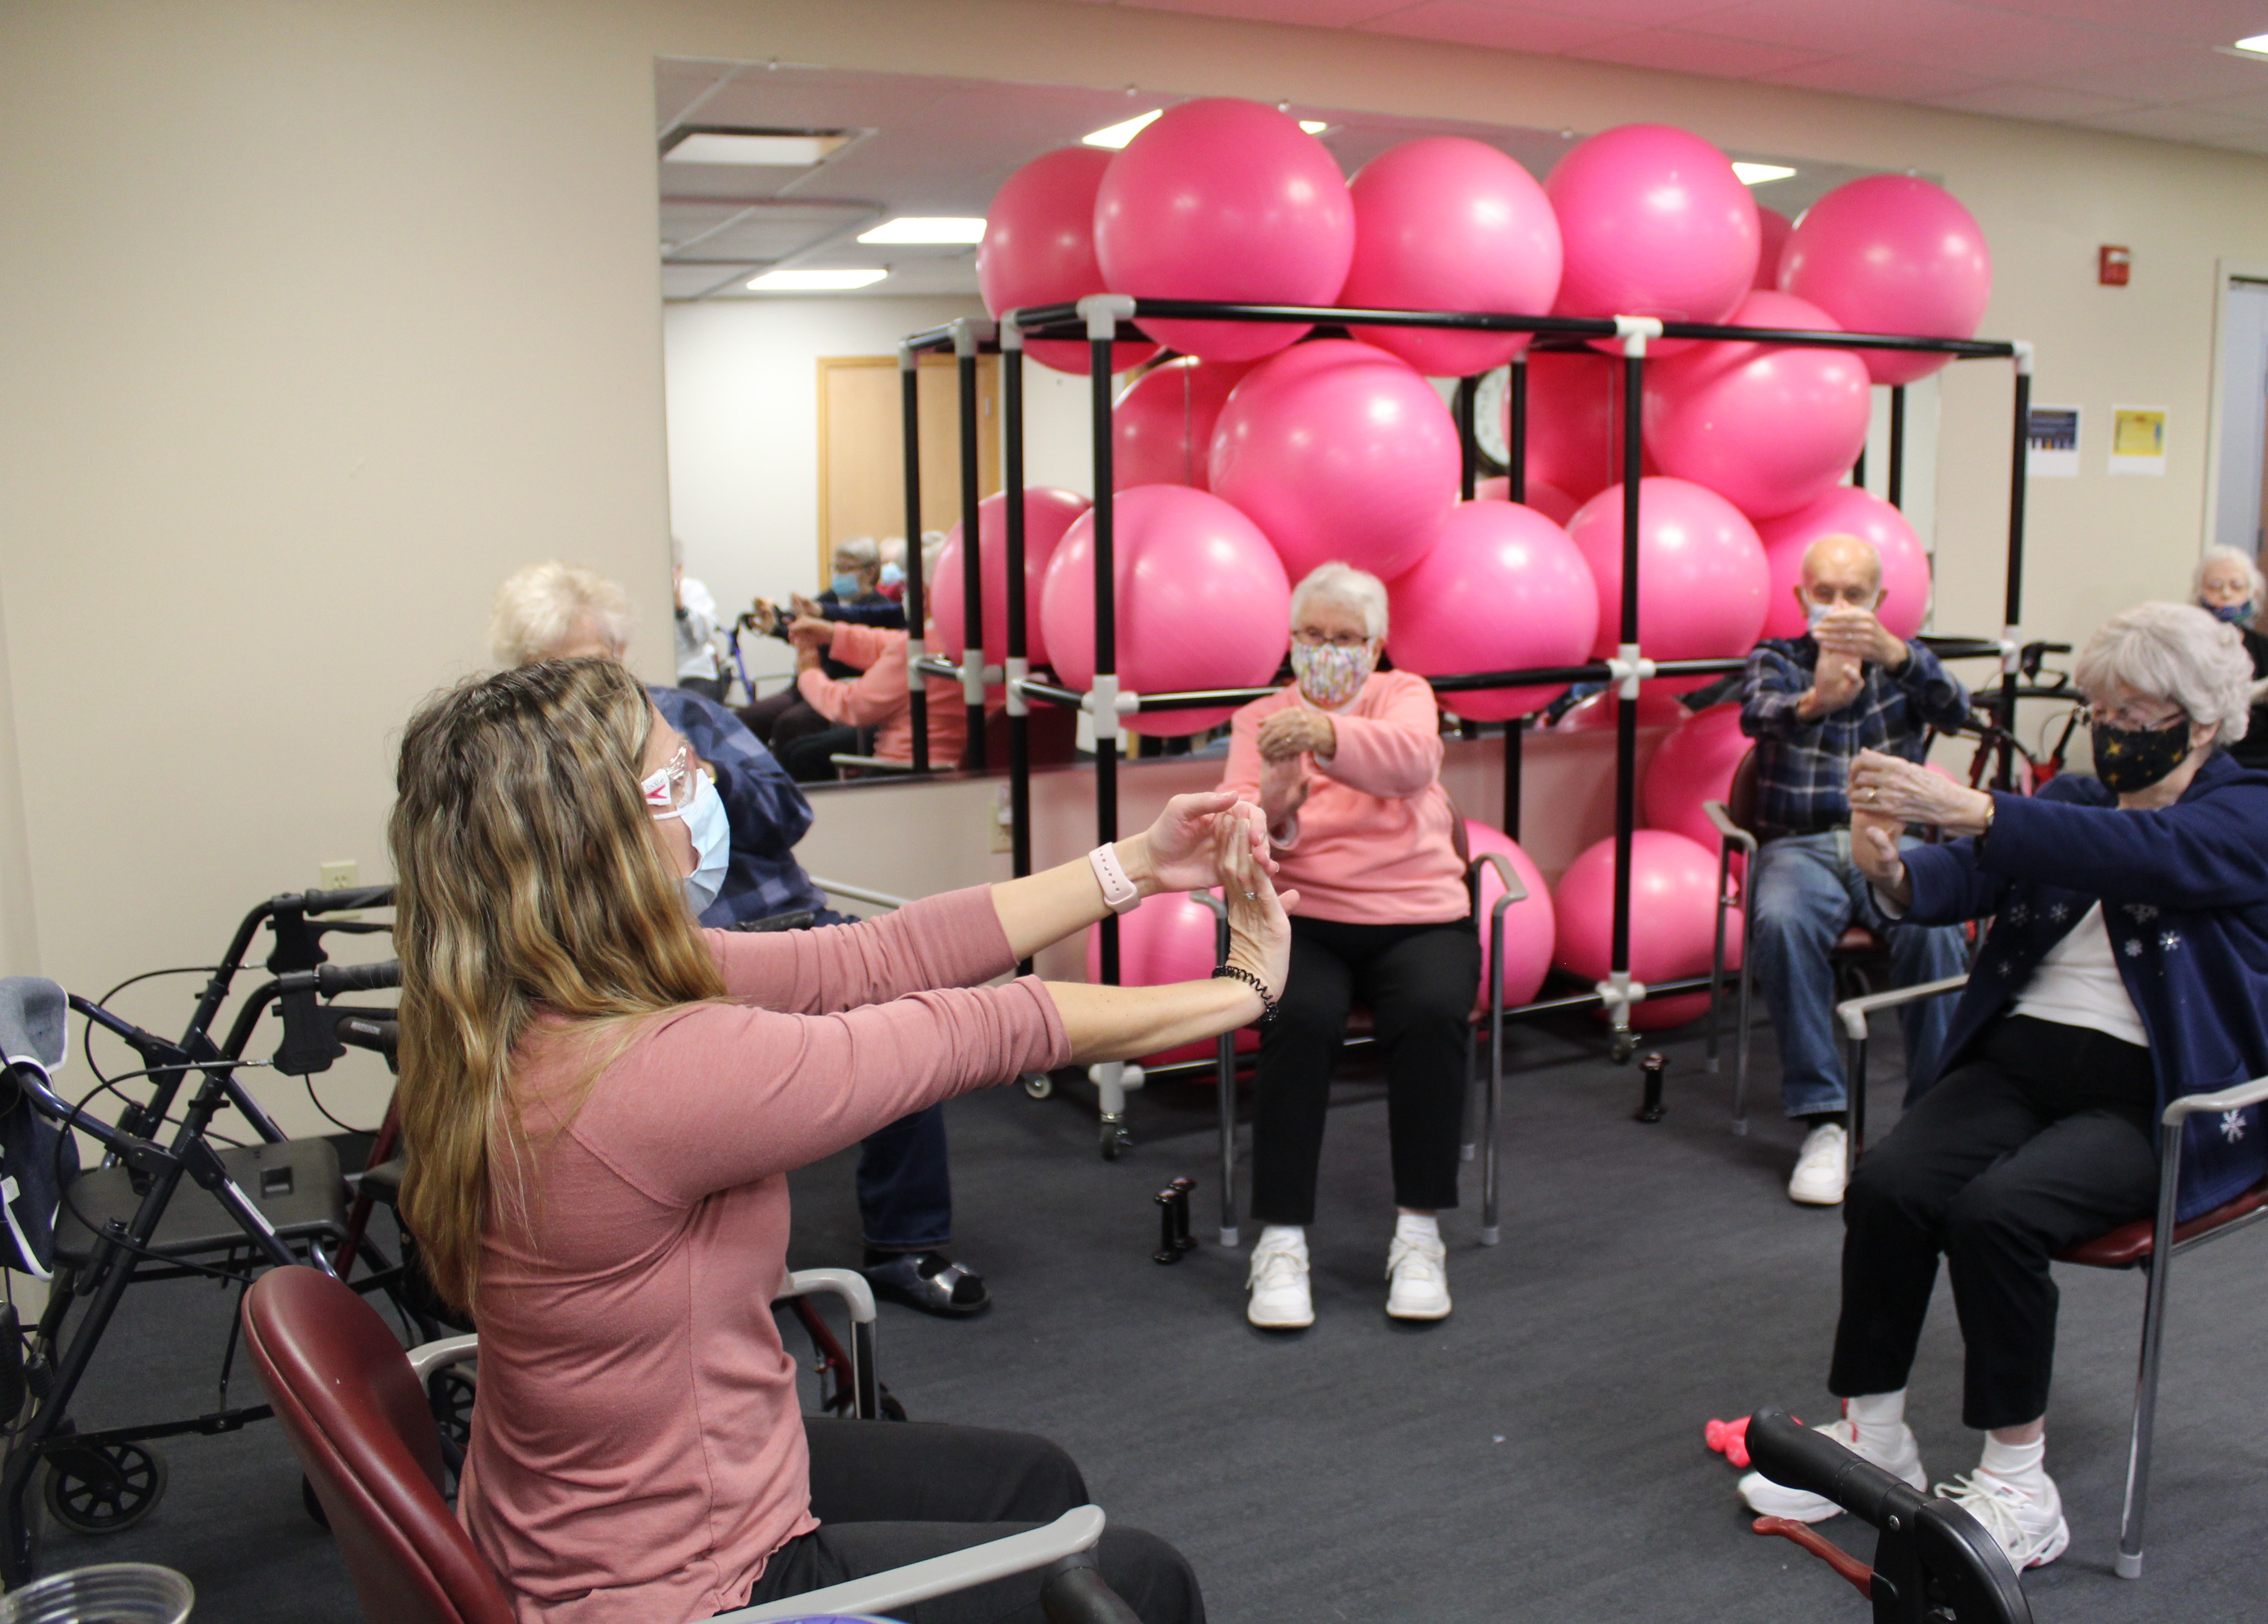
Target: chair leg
(1716,966)
(1225,1067)
(2145,1378)
(1854,1097)
(1491,1107)
(1742,1014)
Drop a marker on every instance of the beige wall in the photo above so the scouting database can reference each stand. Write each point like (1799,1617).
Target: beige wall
(323,315)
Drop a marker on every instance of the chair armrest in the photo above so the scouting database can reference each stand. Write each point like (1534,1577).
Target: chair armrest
(2229,1099)
(859,894)
(1728,831)
(847,1284)
(1073,1533)
(871,763)
(1513,891)
(1852,1012)
(428,1358)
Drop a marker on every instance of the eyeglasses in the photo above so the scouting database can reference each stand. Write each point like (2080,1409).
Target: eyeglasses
(1307,637)
(1857,597)
(668,789)
(2141,718)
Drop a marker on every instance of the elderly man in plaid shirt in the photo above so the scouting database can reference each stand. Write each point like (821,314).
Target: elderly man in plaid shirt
(1812,703)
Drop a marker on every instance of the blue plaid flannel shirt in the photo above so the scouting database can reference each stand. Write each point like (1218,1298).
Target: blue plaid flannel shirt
(1803,767)
(766,811)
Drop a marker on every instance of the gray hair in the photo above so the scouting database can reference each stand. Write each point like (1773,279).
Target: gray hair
(861,551)
(2226,555)
(538,608)
(1350,588)
(2179,652)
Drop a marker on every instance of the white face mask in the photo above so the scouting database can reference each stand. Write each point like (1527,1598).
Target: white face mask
(712,842)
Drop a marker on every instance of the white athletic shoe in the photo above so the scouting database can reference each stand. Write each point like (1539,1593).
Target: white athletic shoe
(1767,1498)
(2030,1527)
(1418,1274)
(1819,1167)
(1278,1281)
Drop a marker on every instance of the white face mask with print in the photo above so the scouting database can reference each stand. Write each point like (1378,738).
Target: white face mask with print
(1332,677)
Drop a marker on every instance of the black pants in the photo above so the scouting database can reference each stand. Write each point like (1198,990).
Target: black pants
(708,688)
(2038,1141)
(781,718)
(1419,982)
(890,1493)
(810,758)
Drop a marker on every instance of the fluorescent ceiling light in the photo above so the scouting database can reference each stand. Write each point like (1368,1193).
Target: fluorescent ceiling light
(774,148)
(815,281)
(927,228)
(1757,174)
(1313,127)
(1119,135)
(2253,45)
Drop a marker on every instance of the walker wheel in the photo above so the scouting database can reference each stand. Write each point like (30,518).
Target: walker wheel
(1039,1084)
(103,1488)
(450,1392)
(1114,1143)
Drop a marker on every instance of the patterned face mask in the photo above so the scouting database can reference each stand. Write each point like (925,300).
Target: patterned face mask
(1329,677)
(2131,759)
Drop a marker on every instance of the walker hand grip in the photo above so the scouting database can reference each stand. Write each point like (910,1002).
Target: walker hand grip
(346,902)
(331,979)
(1795,1457)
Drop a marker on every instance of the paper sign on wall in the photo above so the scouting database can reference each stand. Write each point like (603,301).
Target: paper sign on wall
(2051,443)
(2137,439)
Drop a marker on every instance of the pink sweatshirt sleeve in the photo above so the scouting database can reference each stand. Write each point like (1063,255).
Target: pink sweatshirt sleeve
(869,699)
(1395,755)
(1242,773)
(953,940)
(719,1096)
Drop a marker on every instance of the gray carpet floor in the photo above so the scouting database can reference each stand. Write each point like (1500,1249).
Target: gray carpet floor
(1538,1456)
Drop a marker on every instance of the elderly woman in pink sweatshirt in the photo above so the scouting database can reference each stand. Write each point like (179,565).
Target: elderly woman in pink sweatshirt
(1346,764)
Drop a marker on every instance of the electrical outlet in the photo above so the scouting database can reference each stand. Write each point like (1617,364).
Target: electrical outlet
(343,874)
(1001,824)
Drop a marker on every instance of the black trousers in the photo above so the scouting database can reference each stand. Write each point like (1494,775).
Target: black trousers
(1419,982)
(890,1493)
(2040,1140)
(809,757)
(781,718)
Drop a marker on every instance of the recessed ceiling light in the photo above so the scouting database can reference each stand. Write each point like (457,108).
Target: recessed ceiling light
(815,281)
(927,228)
(1757,174)
(1313,127)
(2255,45)
(779,148)
(1119,135)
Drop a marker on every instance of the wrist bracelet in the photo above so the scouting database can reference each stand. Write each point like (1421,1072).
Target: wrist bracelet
(1118,892)
(1238,973)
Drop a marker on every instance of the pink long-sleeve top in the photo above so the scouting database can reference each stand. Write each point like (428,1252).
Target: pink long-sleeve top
(637,1452)
(877,697)
(1374,842)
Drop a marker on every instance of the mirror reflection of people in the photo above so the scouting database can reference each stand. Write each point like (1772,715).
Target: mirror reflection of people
(1812,703)
(694,615)
(855,569)
(2122,969)
(600,1105)
(2229,587)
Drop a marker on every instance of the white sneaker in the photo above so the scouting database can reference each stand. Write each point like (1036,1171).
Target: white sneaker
(1278,1281)
(2030,1527)
(1767,1498)
(1819,1167)
(1418,1274)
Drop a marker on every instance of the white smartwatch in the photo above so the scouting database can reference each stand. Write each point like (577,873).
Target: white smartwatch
(1117,890)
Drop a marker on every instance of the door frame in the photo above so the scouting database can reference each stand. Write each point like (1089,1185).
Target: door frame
(2224,272)
(945,364)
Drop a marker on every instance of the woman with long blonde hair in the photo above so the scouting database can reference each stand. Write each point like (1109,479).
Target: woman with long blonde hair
(601,1104)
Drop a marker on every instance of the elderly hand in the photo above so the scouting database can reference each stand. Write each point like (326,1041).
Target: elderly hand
(1181,850)
(1292,732)
(1902,792)
(1855,633)
(808,631)
(1259,932)
(1874,849)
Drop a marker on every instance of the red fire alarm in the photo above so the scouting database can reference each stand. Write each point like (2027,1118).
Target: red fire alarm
(2112,266)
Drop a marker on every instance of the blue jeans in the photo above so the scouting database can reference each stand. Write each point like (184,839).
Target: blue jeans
(1807,893)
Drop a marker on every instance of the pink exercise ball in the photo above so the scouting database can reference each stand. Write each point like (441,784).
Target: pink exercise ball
(1039,249)
(1449,224)
(1221,199)
(1574,423)
(1529,928)
(1694,764)
(1846,511)
(1892,253)
(1655,223)
(1048,513)
(1163,939)
(1773,228)
(1502,590)
(1602,712)
(1202,601)
(1338,451)
(1702,576)
(1545,497)
(1161,427)
(1769,427)
(1673,911)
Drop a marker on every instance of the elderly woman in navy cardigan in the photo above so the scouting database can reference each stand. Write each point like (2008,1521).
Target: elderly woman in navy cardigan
(2127,964)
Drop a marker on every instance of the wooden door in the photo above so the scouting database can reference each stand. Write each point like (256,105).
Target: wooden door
(862,490)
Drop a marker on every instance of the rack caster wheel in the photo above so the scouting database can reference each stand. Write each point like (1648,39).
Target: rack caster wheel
(103,1489)
(1039,1084)
(1115,1141)
(1625,1045)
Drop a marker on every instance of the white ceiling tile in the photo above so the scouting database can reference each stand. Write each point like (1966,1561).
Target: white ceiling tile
(1883,81)
(1680,51)
(1833,28)
(2200,22)
(1303,13)
(2033,101)
(2174,77)
(1497,28)
(2196,124)
(2011,45)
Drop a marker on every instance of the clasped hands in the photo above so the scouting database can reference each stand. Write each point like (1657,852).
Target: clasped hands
(1849,636)
(1887,793)
(1219,839)
(809,633)
(1286,740)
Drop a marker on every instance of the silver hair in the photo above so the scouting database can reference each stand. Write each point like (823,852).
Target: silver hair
(2175,651)
(538,608)
(894,551)
(862,552)
(1348,586)
(2230,555)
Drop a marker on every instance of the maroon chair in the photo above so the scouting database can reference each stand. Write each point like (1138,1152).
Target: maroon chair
(356,1415)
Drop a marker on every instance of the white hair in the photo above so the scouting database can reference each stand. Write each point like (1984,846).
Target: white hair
(2175,651)
(538,608)
(894,551)
(1348,587)
(861,551)
(2258,583)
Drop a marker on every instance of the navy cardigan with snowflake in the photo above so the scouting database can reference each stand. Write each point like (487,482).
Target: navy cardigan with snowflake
(2184,895)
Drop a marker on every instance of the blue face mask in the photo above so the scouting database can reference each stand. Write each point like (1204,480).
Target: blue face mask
(892,576)
(2230,613)
(846,586)
(712,842)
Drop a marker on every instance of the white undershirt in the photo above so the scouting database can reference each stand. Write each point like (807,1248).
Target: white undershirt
(2077,985)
